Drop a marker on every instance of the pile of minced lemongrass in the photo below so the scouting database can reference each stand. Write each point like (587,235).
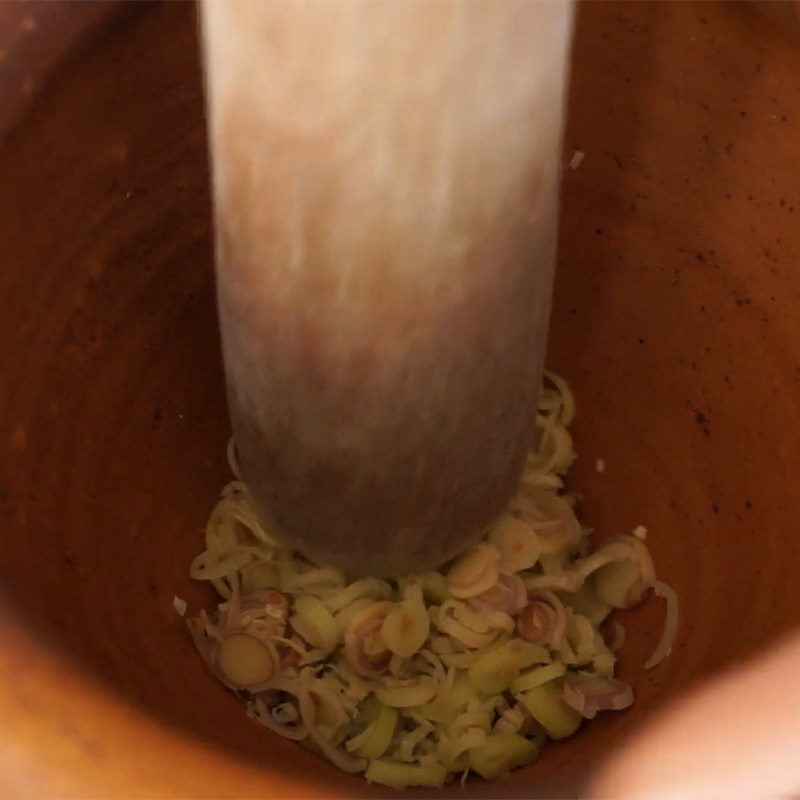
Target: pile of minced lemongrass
(428,676)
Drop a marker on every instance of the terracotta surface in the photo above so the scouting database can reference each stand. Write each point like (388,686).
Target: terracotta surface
(674,318)
(39,38)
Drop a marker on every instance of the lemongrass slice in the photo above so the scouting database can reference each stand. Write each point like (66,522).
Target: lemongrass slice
(585,601)
(484,621)
(244,661)
(277,709)
(536,677)
(588,694)
(312,620)
(547,707)
(500,753)
(344,616)
(555,453)
(623,583)
(374,741)
(664,646)
(328,706)
(453,751)
(604,664)
(474,571)
(560,528)
(406,626)
(461,660)
(447,705)
(414,743)
(208,565)
(434,586)
(417,694)
(259,576)
(444,620)
(497,668)
(363,644)
(371,588)
(544,620)
(581,637)
(476,715)
(508,596)
(571,580)
(312,580)
(307,708)
(400,776)
(566,412)
(517,543)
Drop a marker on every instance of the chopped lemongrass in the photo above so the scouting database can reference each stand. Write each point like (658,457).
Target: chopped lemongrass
(415,679)
(548,708)
(501,753)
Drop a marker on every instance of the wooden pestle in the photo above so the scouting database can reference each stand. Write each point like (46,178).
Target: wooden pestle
(385,180)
